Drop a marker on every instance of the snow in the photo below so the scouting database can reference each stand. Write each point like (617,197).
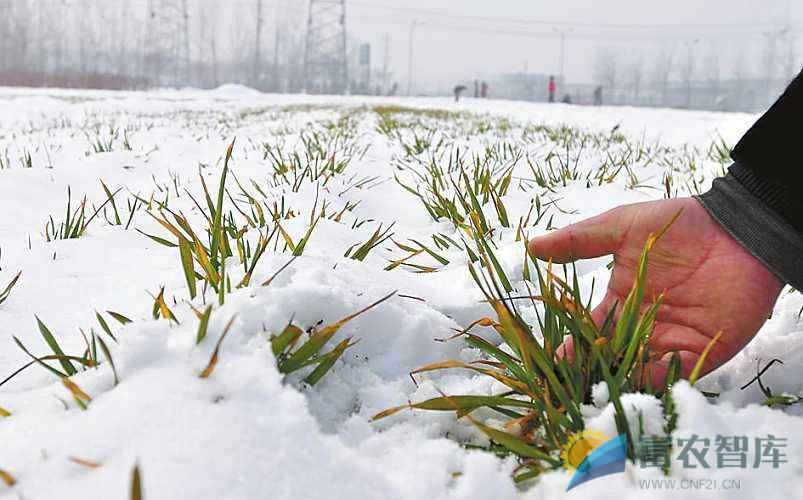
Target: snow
(235,90)
(245,432)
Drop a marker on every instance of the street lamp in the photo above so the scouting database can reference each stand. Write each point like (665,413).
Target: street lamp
(562,33)
(413,25)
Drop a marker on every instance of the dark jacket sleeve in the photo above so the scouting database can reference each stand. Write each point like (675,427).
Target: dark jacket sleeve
(760,201)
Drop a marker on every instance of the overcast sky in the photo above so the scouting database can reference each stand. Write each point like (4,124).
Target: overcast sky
(459,38)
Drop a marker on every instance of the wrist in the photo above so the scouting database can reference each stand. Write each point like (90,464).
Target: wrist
(757,226)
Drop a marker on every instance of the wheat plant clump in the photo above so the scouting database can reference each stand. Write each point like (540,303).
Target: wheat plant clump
(545,391)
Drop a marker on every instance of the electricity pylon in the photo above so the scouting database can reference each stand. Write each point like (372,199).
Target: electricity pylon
(325,63)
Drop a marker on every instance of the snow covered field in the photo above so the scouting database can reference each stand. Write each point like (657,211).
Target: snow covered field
(246,431)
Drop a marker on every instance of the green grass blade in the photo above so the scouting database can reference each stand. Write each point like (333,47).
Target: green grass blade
(54,346)
(327,361)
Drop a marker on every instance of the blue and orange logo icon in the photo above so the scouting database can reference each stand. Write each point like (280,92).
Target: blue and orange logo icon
(591,455)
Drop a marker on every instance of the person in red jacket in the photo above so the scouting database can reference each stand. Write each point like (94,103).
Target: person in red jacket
(552,88)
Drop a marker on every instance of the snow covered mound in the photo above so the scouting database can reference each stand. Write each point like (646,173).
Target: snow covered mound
(322,216)
(234,90)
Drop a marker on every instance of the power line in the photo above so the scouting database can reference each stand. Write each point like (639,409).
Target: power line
(504,20)
(541,34)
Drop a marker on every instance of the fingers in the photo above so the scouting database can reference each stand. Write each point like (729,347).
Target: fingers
(666,339)
(689,343)
(659,368)
(594,237)
(566,349)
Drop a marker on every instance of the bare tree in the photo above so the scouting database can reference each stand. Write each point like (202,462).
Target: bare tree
(635,74)
(688,67)
(770,62)
(662,70)
(135,43)
(122,38)
(208,40)
(606,67)
(739,74)
(712,76)
(6,40)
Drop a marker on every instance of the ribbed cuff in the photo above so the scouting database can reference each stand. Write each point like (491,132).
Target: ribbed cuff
(757,227)
(778,197)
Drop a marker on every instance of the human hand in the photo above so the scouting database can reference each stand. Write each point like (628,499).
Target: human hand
(711,283)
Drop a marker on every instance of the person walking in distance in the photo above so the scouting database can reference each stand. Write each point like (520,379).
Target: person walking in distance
(552,88)
(598,96)
(458,91)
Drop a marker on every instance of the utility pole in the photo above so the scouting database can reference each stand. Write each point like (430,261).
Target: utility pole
(325,61)
(255,70)
(410,75)
(562,33)
(385,64)
(276,78)
(183,56)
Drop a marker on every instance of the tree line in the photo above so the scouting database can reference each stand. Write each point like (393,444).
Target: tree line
(136,44)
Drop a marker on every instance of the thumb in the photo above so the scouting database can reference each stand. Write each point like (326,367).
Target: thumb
(594,237)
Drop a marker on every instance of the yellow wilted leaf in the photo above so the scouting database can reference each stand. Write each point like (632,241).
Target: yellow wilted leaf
(185,225)
(197,312)
(485,322)
(210,367)
(76,391)
(512,333)
(475,219)
(163,309)
(167,225)
(136,484)
(86,463)
(440,365)
(422,269)
(501,377)
(698,366)
(287,238)
(7,478)
(258,208)
(4,412)
(658,235)
(389,412)
(482,322)
(206,264)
